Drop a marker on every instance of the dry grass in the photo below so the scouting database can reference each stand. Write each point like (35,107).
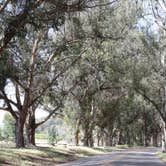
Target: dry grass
(162,156)
(33,156)
(48,156)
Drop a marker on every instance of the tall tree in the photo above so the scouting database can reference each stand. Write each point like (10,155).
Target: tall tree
(16,15)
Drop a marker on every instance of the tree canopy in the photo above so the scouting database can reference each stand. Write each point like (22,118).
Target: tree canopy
(99,66)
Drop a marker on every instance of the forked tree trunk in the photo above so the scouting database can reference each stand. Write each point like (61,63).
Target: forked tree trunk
(30,129)
(19,133)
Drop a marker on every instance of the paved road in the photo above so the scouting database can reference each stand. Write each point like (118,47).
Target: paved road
(132,157)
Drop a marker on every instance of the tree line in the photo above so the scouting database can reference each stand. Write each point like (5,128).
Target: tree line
(101,65)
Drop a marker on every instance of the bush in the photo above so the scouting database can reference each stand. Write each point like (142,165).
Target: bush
(9,127)
(52,135)
(1,135)
(41,136)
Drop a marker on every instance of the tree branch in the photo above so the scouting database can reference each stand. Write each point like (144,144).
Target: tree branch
(2,7)
(17,95)
(55,78)
(152,102)
(102,4)
(4,109)
(8,101)
(53,112)
(17,23)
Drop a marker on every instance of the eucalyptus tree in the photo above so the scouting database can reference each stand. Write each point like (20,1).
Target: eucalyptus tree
(123,116)
(108,114)
(16,15)
(35,62)
(32,74)
(51,104)
(147,70)
(160,19)
(138,123)
(74,32)
(26,54)
(92,75)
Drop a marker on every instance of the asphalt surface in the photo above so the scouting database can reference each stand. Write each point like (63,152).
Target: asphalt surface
(130,157)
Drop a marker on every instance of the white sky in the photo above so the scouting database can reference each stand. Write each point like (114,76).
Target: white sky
(39,115)
(11,94)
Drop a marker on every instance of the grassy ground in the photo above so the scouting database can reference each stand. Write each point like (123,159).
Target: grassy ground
(48,156)
(162,156)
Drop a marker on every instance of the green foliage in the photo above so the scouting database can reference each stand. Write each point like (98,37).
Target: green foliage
(4,70)
(9,127)
(53,136)
(41,136)
(1,134)
(120,67)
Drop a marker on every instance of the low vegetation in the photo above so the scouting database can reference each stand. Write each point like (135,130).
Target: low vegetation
(162,156)
(9,155)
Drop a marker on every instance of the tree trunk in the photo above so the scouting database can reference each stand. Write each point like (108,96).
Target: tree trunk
(164,138)
(108,140)
(102,141)
(88,121)
(155,139)
(77,130)
(128,139)
(19,133)
(91,141)
(86,139)
(30,129)
(98,141)
(98,138)
(120,138)
(77,137)
(145,140)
